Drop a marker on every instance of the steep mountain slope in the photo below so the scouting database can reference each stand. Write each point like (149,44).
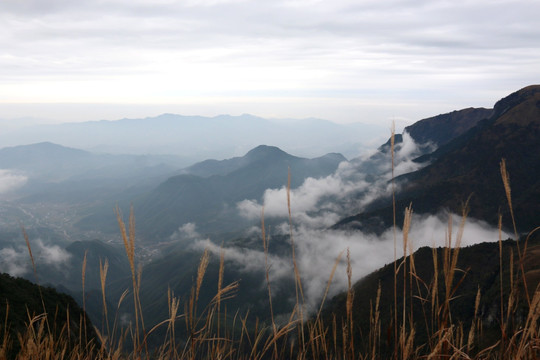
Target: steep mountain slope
(443,128)
(469,165)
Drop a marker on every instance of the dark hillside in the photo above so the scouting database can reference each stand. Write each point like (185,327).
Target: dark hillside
(478,265)
(23,299)
(470,166)
(443,128)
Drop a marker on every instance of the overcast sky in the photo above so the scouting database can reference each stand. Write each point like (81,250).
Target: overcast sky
(366,61)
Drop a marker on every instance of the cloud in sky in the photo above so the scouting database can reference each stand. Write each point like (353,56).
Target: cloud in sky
(366,60)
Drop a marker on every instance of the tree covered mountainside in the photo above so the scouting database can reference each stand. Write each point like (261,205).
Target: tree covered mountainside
(469,166)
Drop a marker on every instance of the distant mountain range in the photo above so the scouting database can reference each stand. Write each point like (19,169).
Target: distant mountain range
(196,138)
(49,162)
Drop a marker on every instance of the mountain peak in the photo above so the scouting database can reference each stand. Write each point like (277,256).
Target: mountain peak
(42,148)
(264,151)
(521,107)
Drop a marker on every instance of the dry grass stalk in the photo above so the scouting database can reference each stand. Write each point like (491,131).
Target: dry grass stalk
(531,329)
(506,182)
(25,235)
(219,288)
(470,339)
(174,303)
(297,279)
(129,245)
(394,227)
(6,340)
(267,277)
(435,288)
(375,326)
(349,328)
(203,265)
(27,240)
(330,279)
(502,322)
(103,268)
(406,227)
(83,279)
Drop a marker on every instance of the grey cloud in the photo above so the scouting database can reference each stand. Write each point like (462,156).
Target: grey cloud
(15,259)
(187,231)
(10,180)
(14,262)
(250,260)
(372,58)
(50,254)
(181,25)
(318,250)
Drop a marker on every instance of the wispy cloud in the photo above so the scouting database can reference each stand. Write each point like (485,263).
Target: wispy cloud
(317,250)
(15,259)
(10,180)
(186,231)
(14,262)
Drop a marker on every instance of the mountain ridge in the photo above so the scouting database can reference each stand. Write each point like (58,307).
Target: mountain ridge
(469,165)
(207,192)
(196,138)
